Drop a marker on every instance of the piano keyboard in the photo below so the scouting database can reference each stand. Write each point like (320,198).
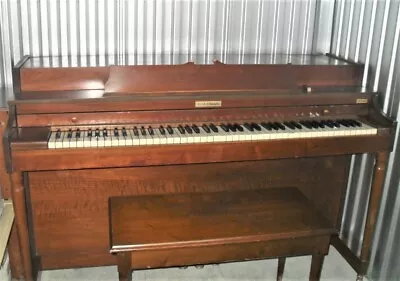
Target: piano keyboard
(206,133)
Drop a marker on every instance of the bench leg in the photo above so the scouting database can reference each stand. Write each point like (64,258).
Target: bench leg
(281,268)
(124,266)
(316,267)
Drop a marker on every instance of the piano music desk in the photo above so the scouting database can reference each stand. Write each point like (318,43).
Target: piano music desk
(152,231)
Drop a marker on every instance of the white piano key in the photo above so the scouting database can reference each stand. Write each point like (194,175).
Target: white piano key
(156,137)
(51,143)
(176,136)
(66,140)
(108,139)
(129,137)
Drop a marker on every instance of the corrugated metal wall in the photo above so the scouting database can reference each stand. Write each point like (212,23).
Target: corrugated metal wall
(93,27)
(368,32)
(361,30)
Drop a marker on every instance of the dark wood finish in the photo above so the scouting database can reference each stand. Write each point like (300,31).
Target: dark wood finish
(4,177)
(56,221)
(67,189)
(253,219)
(349,256)
(281,268)
(124,266)
(31,159)
(14,253)
(373,207)
(316,267)
(154,222)
(19,201)
(53,79)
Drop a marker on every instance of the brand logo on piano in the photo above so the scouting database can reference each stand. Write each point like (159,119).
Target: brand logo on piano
(208,103)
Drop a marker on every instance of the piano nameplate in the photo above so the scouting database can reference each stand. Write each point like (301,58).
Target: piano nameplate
(208,103)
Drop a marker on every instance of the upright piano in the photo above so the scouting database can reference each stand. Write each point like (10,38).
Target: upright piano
(83,129)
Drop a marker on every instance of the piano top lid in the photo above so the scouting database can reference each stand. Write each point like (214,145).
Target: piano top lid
(177,59)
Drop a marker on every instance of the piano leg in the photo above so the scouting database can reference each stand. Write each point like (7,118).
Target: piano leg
(124,266)
(281,268)
(14,252)
(373,206)
(316,267)
(19,201)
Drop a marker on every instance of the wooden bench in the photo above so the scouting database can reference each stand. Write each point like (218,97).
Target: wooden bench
(153,231)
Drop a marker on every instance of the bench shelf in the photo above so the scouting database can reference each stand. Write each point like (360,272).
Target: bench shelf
(197,228)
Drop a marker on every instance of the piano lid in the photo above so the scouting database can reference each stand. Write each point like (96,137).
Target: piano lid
(166,74)
(176,59)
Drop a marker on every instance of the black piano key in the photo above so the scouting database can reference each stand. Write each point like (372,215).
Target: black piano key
(188,129)
(297,125)
(335,123)
(327,123)
(213,128)
(280,126)
(314,124)
(124,133)
(248,127)
(135,131)
(69,135)
(232,127)
(170,130)
(343,122)
(266,126)
(353,123)
(238,127)
(150,130)
(196,129)
(116,133)
(256,126)
(206,128)
(58,134)
(162,130)
(273,126)
(97,133)
(105,133)
(320,124)
(289,125)
(306,124)
(224,127)
(78,133)
(181,129)
(143,131)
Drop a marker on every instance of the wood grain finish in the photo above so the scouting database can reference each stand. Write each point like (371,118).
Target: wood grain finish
(55,222)
(167,221)
(4,177)
(181,222)
(32,160)
(221,77)
(64,212)
(53,79)
(19,200)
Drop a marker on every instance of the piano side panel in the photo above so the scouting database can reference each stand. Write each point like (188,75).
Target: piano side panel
(69,210)
(5,183)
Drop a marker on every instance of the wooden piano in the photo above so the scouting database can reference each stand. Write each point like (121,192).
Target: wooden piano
(77,135)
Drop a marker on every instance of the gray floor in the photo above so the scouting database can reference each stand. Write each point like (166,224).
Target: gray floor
(335,269)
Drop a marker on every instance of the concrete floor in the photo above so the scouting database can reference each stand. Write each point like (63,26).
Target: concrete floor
(335,269)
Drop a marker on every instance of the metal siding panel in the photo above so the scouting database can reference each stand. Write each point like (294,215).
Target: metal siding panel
(374,40)
(97,27)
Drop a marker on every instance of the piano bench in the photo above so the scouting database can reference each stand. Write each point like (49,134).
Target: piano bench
(152,231)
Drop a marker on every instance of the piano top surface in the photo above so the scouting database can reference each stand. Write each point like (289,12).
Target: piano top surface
(177,59)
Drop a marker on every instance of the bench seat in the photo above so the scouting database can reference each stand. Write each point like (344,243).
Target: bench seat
(154,231)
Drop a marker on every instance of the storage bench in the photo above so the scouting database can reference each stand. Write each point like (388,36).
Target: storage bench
(153,231)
